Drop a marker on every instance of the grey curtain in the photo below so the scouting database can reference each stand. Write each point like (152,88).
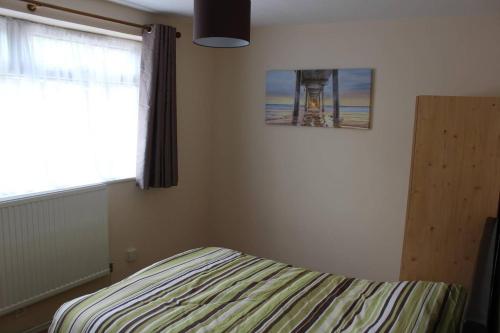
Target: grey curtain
(157,139)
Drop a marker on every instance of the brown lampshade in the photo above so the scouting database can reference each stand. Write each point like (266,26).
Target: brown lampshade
(222,23)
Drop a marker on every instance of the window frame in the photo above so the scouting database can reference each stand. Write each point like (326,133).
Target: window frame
(78,27)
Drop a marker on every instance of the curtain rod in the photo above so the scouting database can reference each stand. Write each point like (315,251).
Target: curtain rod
(32,6)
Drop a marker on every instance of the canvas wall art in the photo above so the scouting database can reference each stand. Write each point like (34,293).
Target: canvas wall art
(339,98)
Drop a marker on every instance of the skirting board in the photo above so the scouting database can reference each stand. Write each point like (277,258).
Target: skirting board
(55,291)
(38,328)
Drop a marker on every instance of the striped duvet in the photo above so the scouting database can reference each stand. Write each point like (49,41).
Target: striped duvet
(221,290)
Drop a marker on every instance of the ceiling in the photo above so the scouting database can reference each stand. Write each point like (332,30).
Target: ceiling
(269,12)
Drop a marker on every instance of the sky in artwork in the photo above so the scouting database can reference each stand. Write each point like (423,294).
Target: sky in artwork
(280,87)
(354,87)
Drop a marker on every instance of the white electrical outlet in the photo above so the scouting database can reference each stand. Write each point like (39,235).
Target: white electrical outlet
(131,254)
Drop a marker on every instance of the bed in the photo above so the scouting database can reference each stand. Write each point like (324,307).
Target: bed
(222,290)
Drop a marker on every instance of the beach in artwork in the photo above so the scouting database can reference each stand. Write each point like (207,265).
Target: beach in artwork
(319,98)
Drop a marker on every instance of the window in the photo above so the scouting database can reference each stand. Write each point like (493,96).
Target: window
(68,107)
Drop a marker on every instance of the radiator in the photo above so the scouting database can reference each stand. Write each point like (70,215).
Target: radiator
(51,243)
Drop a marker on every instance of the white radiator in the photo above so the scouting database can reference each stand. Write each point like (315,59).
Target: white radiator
(51,243)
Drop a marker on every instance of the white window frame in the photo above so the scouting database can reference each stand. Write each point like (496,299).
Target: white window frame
(75,26)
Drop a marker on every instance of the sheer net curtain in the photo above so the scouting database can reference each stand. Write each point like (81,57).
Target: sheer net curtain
(68,107)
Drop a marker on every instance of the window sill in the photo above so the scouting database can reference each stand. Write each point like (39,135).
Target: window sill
(117,181)
(59,193)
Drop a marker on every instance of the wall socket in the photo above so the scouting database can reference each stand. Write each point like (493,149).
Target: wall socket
(131,254)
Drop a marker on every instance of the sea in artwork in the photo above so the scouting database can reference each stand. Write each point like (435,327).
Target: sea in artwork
(350,116)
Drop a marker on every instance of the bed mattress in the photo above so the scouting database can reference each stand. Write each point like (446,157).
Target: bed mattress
(221,290)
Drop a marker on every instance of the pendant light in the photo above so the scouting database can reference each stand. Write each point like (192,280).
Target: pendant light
(222,23)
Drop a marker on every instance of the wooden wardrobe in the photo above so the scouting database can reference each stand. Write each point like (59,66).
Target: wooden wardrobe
(454,186)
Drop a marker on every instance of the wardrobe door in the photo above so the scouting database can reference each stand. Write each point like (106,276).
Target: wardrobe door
(454,186)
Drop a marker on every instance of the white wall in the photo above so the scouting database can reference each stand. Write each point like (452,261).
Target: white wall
(335,199)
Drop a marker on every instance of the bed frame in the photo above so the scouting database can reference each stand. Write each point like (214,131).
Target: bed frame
(494,311)
(483,309)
